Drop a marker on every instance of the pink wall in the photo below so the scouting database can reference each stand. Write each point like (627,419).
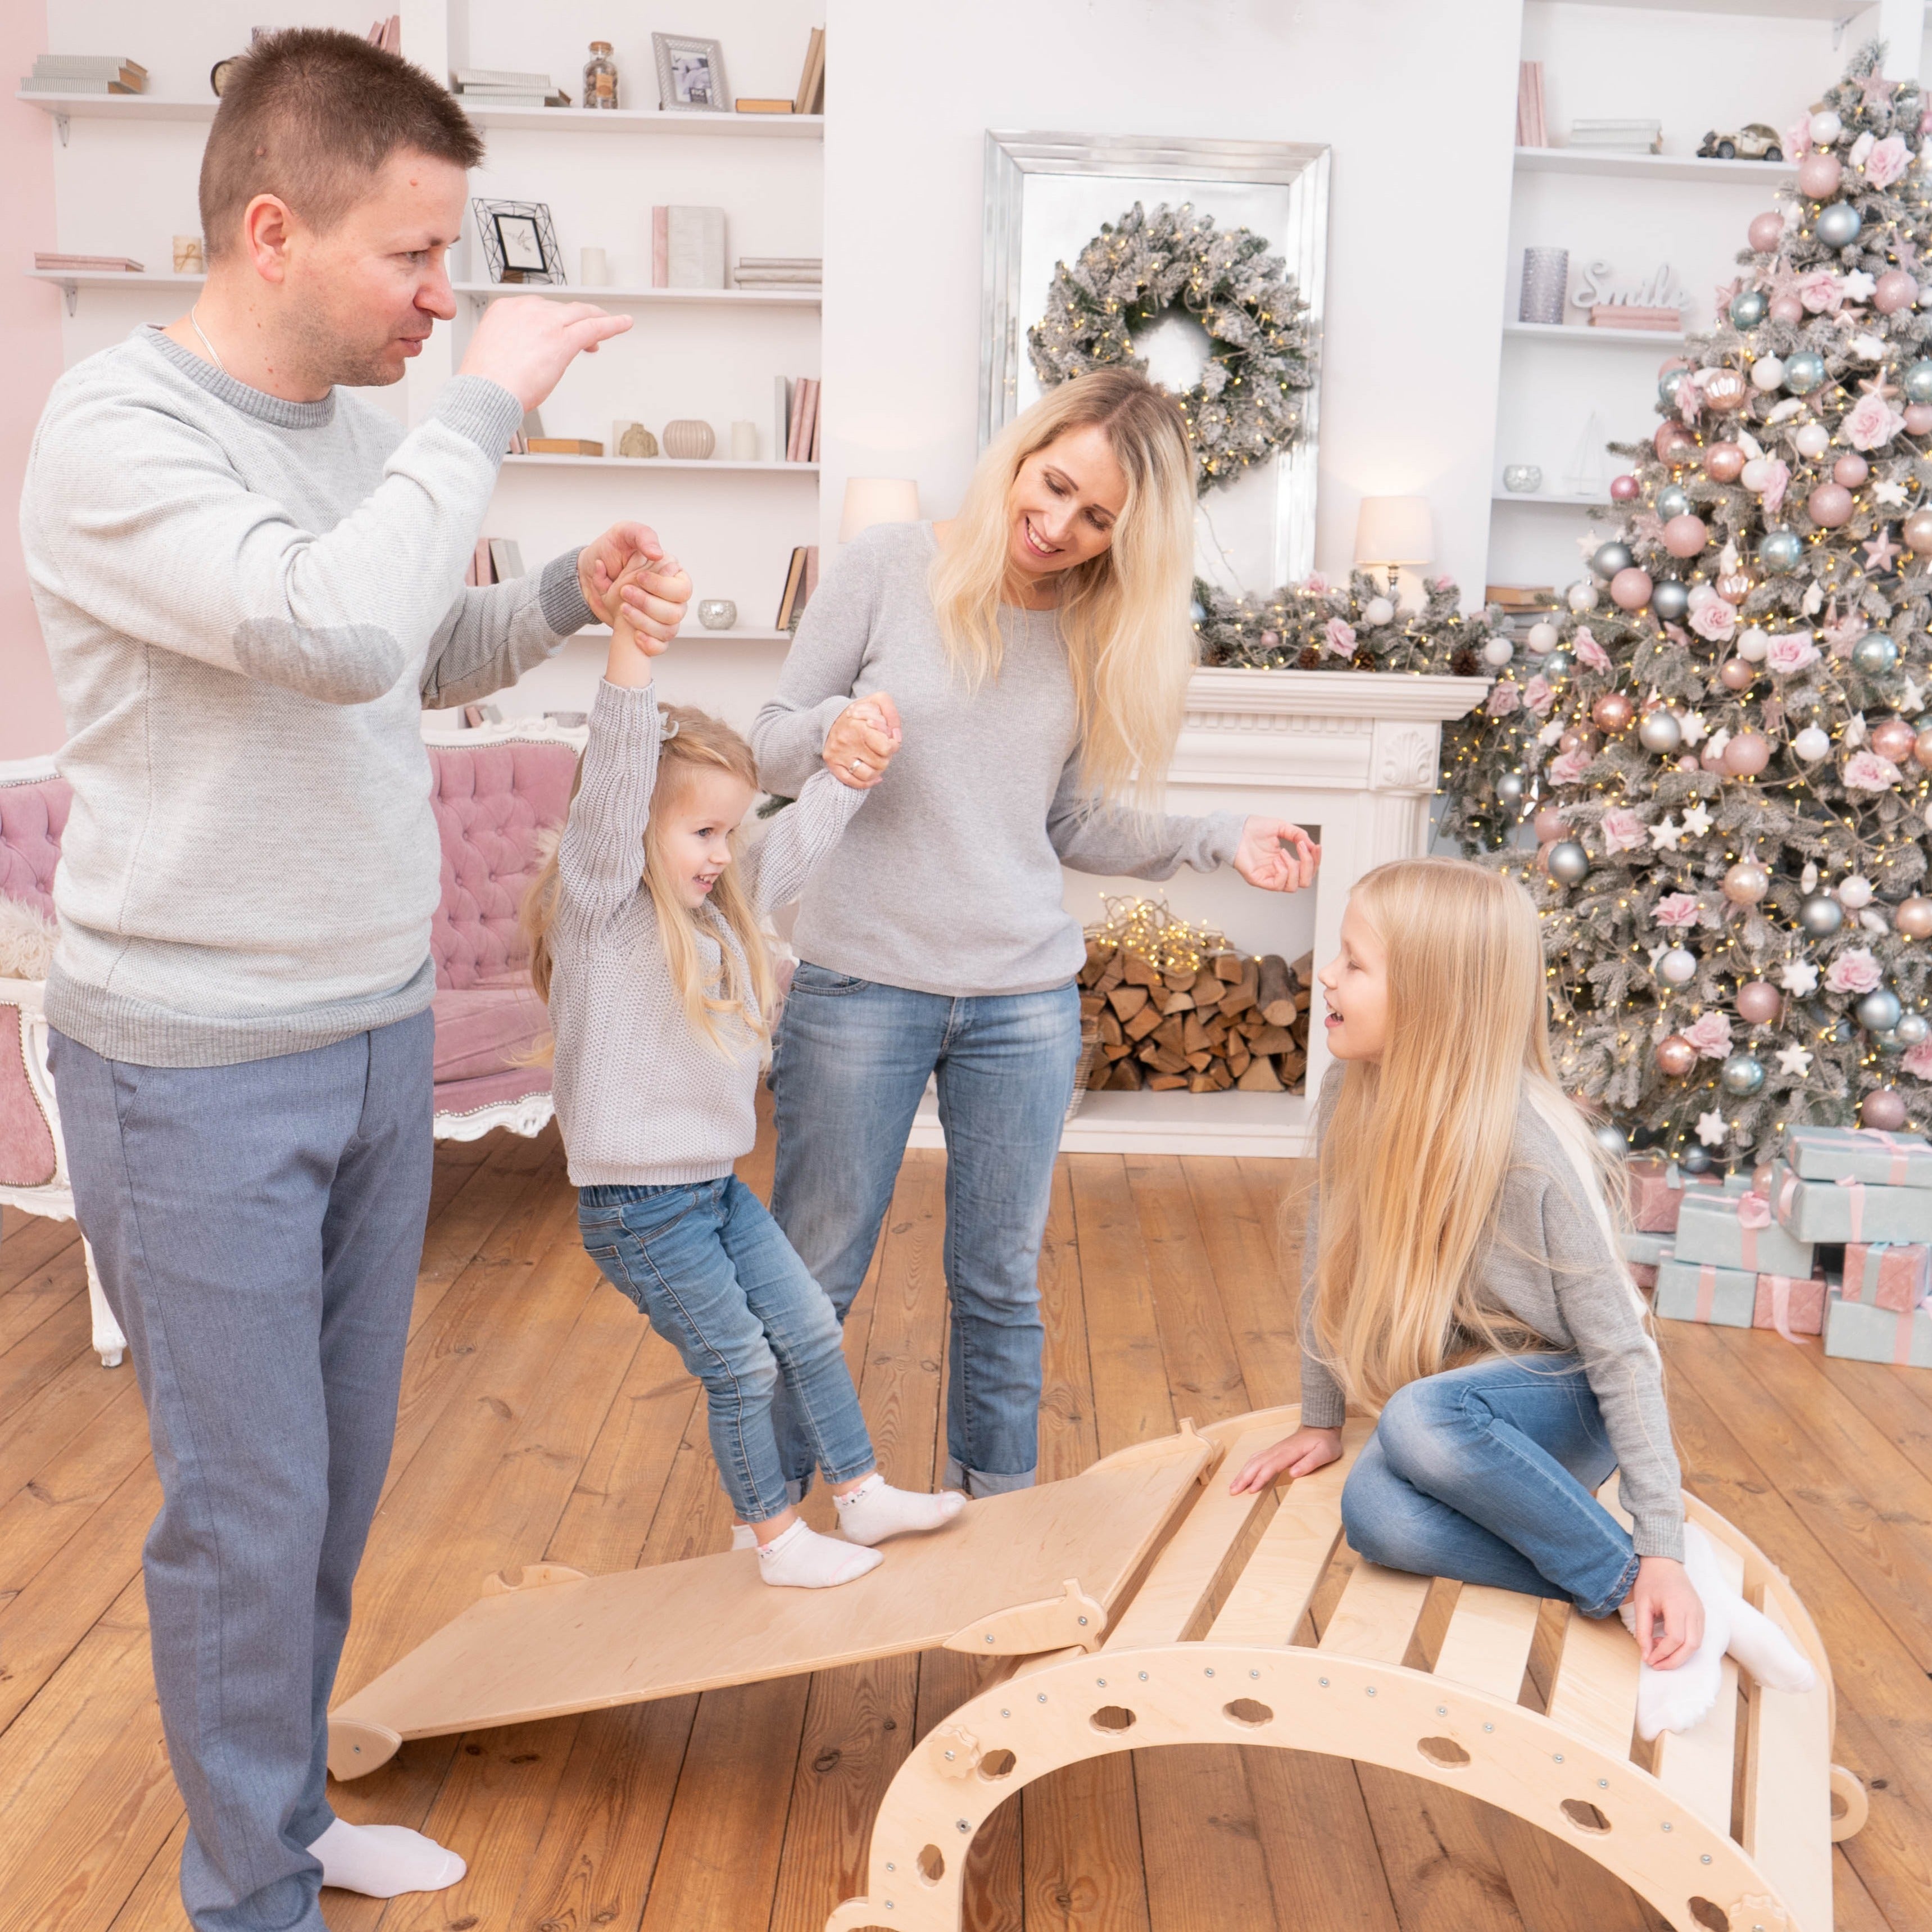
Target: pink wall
(30,353)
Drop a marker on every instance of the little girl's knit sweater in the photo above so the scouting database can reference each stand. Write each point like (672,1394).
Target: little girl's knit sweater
(643,1097)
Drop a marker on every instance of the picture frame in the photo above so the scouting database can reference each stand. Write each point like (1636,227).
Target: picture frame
(519,241)
(690,75)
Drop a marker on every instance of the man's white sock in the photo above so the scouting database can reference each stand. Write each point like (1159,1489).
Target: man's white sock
(384,1860)
(875,1510)
(802,1559)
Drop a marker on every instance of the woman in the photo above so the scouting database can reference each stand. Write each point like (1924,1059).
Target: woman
(1039,649)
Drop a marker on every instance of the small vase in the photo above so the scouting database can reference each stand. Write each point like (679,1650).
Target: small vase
(717,613)
(600,76)
(689,440)
(1523,478)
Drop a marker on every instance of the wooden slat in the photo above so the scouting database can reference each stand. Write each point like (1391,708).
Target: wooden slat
(1697,1768)
(1280,1577)
(1486,1646)
(1595,1693)
(1377,1614)
(1788,1795)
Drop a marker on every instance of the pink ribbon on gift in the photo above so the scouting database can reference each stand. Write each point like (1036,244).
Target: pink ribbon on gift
(1890,1142)
(1780,1304)
(1753,1212)
(1707,1292)
(1901,1340)
(1858,1188)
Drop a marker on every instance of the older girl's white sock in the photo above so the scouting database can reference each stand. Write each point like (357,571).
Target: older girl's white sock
(875,1510)
(802,1559)
(384,1860)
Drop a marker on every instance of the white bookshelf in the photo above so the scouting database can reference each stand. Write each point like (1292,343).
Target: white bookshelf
(554,459)
(647,298)
(1554,499)
(1567,335)
(1765,175)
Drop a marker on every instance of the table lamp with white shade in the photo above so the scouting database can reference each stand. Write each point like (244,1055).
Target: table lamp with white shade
(877,499)
(1393,533)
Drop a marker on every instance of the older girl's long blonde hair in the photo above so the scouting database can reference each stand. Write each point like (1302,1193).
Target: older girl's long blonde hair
(1122,614)
(738,1005)
(1413,1164)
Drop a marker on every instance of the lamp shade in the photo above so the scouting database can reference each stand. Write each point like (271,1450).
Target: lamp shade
(1394,529)
(877,499)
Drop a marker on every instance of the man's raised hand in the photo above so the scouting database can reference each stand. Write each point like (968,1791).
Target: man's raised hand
(525,343)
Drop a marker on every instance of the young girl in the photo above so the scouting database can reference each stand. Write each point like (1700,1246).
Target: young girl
(646,941)
(1463,1278)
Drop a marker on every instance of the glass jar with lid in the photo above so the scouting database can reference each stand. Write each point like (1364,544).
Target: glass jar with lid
(600,76)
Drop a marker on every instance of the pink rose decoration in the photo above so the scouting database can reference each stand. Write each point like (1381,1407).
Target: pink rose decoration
(1538,696)
(1871,422)
(1855,971)
(1753,1211)
(1444,583)
(1711,1035)
(1887,161)
(1503,698)
(1678,912)
(1341,636)
(1842,633)
(1589,652)
(1798,138)
(1821,292)
(1918,1062)
(1316,585)
(1623,831)
(1866,771)
(1716,620)
(1786,656)
(1779,481)
(1567,767)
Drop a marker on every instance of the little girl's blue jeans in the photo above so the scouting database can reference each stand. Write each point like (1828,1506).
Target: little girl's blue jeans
(722,1284)
(1488,1473)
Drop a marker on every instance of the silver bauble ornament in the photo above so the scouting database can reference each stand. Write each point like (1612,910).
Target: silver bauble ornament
(1668,386)
(1913,1030)
(1568,864)
(1611,1138)
(1672,500)
(1610,558)
(1748,310)
(1780,550)
(1670,600)
(1558,664)
(1741,1074)
(1917,382)
(1821,915)
(1678,966)
(1509,788)
(1888,1043)
(1879,1011)
(1837,226)
(1803,371)
(1694,1160)
(1874,654)
(1660,732)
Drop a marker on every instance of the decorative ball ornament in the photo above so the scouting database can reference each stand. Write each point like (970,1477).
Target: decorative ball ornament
(1630,589)
(1672,500)
(1581,598)
(1668,384)
(1737,674)
(1853,892)
(1883,1109)
(1878,1012)
(1684,536)
(1722,462)
(1754,645)
(1748,310)
(1541,638)
(1851,470)
(1821,915)
(1733,586)
(1611,1138)
(1660,732)
(1837,225)
(1695,1160)
(1613,711)
(1819,175)
(1497,652)
(1756,475)
(1760,1003)
(1509,788)
(1724,390)
(1767,373)
(1787,308)
(1913,1030)
(1781,551)
(1624,489)
(1825,127)
(1550,825)
(1828,506)
(1893,739)
(1378,611)
(1811,440)
(1765,232)
(1673,443)
(1678,966)
(1917,381)
(1921,749)
(1567,862)
(1746,883)
(1894,290)
(1675,1056)
(1917,531)
(1741,1074)
(1811,744)
(1913,918)
(1611,557)
(1670,600)
(1918,418)
(1874,654)
(1803,371)
(1557,665)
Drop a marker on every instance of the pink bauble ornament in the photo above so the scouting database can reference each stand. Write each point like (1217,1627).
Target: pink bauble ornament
(1819,175)
(1574,740)
(1850,469)
(1675,1056)
(1630,588)
(1725,389)
(1688,763)
(1746,883)
(1883,1109)
(1895,290)
(1828,505)
(1746,754)
(1673,443)
(1712,760)
(1765,231)
(1683,536)
(1550,826)
(1921,748)
(1623,489)
(1613,711)
(1913,917)
(1893,739)
(1759,1002)
(1737,674)
(1917,531)
(1724,462)
(1918,418)
(1787,308)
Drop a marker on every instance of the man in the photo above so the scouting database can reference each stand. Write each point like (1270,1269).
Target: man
(250,583)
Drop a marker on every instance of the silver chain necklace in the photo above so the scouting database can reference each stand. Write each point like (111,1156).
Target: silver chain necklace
(194,322)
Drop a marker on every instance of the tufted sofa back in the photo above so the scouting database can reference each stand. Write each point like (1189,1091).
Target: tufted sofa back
(491,802)
(33,815)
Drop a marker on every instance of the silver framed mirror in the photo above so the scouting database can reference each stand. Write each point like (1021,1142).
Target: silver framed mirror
(1048,196)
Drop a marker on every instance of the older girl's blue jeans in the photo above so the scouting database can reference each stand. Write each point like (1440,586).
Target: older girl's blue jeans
(1488,1473)
(708,1265)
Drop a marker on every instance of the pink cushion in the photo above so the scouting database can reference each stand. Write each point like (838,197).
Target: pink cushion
(493,1089)
(484,1029)
(32,818)
(491,804)
(26,1142)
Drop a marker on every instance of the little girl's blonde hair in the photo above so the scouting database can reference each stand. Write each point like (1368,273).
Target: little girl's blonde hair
(739,1004)
(1413,1164)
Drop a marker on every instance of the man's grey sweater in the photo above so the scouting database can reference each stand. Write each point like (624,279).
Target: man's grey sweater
(949,881)
(247,603)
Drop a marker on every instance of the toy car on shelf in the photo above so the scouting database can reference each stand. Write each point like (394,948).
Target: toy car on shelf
(1753,142)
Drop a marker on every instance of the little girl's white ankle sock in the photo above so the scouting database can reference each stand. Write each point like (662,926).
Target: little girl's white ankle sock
(802,1559)
(875,1510)
(384,1860)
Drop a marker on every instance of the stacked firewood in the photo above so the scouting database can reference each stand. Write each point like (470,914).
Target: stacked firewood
(1233,1020)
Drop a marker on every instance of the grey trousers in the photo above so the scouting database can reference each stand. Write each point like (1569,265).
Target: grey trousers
(258,1229)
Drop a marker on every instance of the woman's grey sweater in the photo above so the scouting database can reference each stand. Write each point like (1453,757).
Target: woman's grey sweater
(1551,1265)
(950,881)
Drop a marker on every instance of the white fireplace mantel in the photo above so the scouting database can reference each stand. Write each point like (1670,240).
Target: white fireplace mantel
(1354,753)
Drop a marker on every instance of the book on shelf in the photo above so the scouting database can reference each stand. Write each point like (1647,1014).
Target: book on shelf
(506,560)
(479,571)
(388,34)
(801,580)
(1622,137)
(1627,315)
(804,422)
(1532,129)
(88,264)
(810,98)
(562,445)
(782,262)
(752,104)
(516,78)
(777,278)
(781,415)
(1521,599)
(687,247)
(84,73)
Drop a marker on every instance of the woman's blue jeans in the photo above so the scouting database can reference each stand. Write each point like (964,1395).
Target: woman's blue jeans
(1488,1473)
(722,1286)
(853,1060)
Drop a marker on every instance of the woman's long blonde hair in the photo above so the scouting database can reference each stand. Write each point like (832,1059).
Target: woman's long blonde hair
(1122,614)
(1413,1164)
(738,1007)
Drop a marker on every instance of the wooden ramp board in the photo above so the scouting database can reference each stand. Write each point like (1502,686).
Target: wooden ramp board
(1014,1574)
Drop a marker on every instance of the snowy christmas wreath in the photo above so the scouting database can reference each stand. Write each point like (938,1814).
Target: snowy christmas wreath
(1246,405)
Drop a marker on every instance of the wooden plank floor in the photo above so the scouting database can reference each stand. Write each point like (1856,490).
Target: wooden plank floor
(541,1419)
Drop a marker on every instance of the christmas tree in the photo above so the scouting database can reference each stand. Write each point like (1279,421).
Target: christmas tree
(1719,744)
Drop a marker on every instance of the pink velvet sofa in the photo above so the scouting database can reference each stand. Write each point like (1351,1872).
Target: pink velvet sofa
(495,791)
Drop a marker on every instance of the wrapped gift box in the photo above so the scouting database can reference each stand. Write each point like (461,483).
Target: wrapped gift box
(1736,1230)
(1860,1153)
(1856,1331)
(1896,1275)
(1656,1189)
(1849,1211)
(1647,1248)
(1700,1292)
(1644,1274)
(1793,1307)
